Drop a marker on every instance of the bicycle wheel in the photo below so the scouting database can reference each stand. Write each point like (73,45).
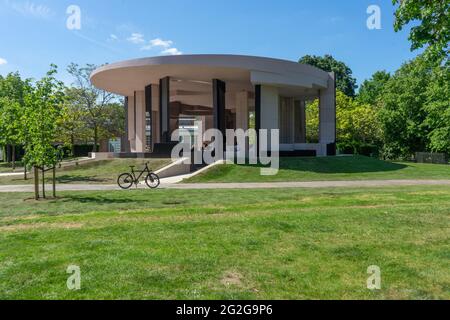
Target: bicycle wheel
(125,181)
(152,181)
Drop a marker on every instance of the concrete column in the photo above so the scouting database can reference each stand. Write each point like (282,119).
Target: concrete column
(140,121)
(327,113)
(269,107)
(302,115)
(242,110)
(269,117)
(300,121)
(164,109)
(131,123)
(148,117)
(219,91)
(156,128)
(125,140)
(219,111)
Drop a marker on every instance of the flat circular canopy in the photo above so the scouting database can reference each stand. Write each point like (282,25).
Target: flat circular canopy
(134,75)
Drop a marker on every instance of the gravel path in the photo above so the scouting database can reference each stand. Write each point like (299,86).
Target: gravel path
(271,185)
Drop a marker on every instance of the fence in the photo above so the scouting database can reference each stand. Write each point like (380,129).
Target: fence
(428,157)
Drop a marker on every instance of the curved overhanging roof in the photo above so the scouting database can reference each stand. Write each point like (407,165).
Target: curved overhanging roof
(133,75)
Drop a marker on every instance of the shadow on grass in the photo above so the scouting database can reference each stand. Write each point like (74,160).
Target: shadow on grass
(354,164)
(99,200)
(124,198)
(85,179)
(85,166)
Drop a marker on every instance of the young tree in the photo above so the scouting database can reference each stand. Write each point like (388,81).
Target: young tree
(12,92)
(10,125)
(1,95)
(433,29)
(344,75)
(94,102)
(43,115)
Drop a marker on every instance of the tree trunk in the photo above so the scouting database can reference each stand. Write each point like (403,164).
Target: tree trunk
(72,142)
(43,182)
(54,181)
(8,154)
(36,183)
(25,172)
(13,157)
(95,139)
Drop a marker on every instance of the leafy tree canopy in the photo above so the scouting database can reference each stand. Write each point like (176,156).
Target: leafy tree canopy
(371,89)
(434,27)
(12,92)
(415,110)
(94,105)
(356,122)
(43,115)
(344,75)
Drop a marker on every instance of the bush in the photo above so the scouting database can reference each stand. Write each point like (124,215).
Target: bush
(360,148)
(79,150)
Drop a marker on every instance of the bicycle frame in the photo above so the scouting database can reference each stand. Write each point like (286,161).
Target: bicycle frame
(136,179)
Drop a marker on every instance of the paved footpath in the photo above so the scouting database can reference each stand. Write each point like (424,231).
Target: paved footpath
(11,174)
(268,185)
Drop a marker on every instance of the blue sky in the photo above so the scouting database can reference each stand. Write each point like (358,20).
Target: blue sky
(33,33)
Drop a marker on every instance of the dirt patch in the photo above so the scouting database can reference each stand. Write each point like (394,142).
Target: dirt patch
(24,227)
(368,206)
(428,193)
(231,278)
(16,218)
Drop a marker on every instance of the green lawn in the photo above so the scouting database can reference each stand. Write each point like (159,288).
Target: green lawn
(329,168)
(228,244)
(98,172)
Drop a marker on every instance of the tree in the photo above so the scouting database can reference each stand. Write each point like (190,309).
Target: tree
(92,101)
(43,115)
(433,30)
(114,123)
(73,128)
(10,125)
(344,75)
(371,89)
(437,106)
(357,123)
(414,111)
(12,92)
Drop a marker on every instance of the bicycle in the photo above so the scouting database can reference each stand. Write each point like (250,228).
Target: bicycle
(126,180)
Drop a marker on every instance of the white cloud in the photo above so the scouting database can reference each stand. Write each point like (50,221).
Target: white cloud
(30,9)
(164,45)
(158,43)
(136,38)
(161,43)
(172,52)
(3,61)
